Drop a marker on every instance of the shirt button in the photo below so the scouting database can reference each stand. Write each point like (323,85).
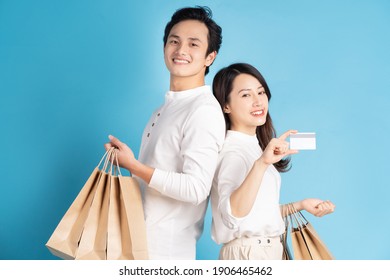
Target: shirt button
(148,135)
(158,114)
(152,124)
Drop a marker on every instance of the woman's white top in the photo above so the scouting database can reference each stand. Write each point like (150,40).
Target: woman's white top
(236,159)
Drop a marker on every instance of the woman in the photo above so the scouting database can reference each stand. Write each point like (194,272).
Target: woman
(247,217)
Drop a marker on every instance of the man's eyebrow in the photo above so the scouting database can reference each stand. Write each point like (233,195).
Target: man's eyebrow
(174,36)
(191,38)
(195,39)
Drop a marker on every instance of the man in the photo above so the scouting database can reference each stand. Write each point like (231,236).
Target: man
(180,144)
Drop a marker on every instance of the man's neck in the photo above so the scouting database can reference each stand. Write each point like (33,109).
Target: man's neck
(185,83)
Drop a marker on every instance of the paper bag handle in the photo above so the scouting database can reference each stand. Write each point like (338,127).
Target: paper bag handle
(106,157)
(299,219)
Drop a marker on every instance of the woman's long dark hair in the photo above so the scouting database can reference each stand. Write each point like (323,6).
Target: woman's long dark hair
(222,87)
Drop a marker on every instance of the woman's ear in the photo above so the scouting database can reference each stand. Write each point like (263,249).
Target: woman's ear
(226,109)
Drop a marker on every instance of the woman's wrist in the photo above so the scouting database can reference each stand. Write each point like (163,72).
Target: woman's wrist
(298,205)
(261,163)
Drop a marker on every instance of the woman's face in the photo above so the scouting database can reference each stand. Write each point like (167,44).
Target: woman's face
(248,104)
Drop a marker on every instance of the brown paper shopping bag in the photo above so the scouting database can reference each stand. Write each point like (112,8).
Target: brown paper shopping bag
(116,225)
(306,243)
(93,241)
(106,220)
(135,234)
(64,241)
(126,236)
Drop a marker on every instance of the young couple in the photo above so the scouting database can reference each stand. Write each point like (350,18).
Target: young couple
(191,147)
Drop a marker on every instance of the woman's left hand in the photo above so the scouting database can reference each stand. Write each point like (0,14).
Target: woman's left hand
(318,207)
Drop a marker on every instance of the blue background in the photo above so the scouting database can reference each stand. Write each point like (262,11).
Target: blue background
(72,72)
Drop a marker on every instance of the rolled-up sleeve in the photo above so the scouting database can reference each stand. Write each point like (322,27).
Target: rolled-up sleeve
(231,173)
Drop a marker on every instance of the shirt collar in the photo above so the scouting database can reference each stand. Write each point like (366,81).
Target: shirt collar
(176,95)
(243,136)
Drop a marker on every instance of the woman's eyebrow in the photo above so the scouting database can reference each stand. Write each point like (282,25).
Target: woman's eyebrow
(248,89)
(244,89)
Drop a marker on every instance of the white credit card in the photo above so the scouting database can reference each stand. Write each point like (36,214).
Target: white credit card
(303,141)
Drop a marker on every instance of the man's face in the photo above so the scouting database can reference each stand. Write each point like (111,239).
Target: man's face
(186,48)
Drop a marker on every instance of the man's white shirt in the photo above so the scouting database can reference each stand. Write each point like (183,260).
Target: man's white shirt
(181,141)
